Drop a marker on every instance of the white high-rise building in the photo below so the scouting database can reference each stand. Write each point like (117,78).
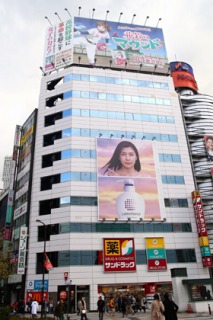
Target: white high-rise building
(104,123)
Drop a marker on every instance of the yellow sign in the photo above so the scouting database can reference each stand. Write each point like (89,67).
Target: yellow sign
(152,243)
(26,135)
(204,241)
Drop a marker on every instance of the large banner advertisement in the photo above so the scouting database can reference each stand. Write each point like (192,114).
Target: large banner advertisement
(208,140)
(156,254)
(58,46)
(107,43)
(127,183)
(119,255)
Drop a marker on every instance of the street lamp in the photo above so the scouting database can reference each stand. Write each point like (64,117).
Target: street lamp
(43,267)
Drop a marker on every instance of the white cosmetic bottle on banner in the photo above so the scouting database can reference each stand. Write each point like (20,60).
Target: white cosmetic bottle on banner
(129,203)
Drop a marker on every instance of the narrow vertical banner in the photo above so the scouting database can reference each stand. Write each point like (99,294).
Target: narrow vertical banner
(201,229)
(156,255)
(58,46)
(119,255)
(22,250)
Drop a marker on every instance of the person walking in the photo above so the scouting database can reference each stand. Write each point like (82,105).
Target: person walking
(157,308)
(34,308)
(82,308)
(143,304)
(123,306)
(60,310)
(170,307)
(101,306)
(112,306)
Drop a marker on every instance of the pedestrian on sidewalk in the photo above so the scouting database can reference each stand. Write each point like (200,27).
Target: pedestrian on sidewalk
(171,308)
(82,308)
(157,308)
(60,310)
(123,306)
(101,306)
(34,308)
(143,304)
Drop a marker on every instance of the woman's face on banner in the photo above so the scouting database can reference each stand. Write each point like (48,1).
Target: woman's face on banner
(128,157)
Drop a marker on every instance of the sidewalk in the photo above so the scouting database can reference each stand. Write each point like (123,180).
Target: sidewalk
(118,316)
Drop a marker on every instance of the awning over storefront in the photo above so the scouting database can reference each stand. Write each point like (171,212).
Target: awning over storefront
(198,281)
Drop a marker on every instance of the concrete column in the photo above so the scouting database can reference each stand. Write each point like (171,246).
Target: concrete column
(180,291)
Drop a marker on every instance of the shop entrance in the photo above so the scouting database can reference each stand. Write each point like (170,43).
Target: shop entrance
(67,294)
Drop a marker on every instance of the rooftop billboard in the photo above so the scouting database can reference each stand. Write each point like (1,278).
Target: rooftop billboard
(105,43)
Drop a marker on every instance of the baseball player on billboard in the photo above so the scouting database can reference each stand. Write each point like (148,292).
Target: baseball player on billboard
(93,39)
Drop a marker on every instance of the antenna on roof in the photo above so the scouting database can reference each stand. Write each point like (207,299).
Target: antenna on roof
(107,14)
(48,20)
(43,73)
(79,10)
(58,16)
(67,12)
(93,10)
(134,15)
(120,16)
(158,22)
(146,20)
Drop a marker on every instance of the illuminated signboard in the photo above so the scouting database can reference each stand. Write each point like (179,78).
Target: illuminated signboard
(181,66)
(183,76)
(119,255)
(127,182)
(36,295)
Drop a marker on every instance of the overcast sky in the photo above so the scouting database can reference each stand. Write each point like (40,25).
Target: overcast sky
(187,26)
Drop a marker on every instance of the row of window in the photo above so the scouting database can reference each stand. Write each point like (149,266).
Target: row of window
(92,201)
(48,181)
(128,82)
(109,227)
(118,115)
(52,101)
(115,97)
(48,159)
(49,139)
(118,134)
(45,206)
(93,258)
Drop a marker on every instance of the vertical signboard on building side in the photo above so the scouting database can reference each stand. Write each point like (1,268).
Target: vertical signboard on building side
(22,250)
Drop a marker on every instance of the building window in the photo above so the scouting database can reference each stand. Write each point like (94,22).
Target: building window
(176,203)
(166,157)
(172,179)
